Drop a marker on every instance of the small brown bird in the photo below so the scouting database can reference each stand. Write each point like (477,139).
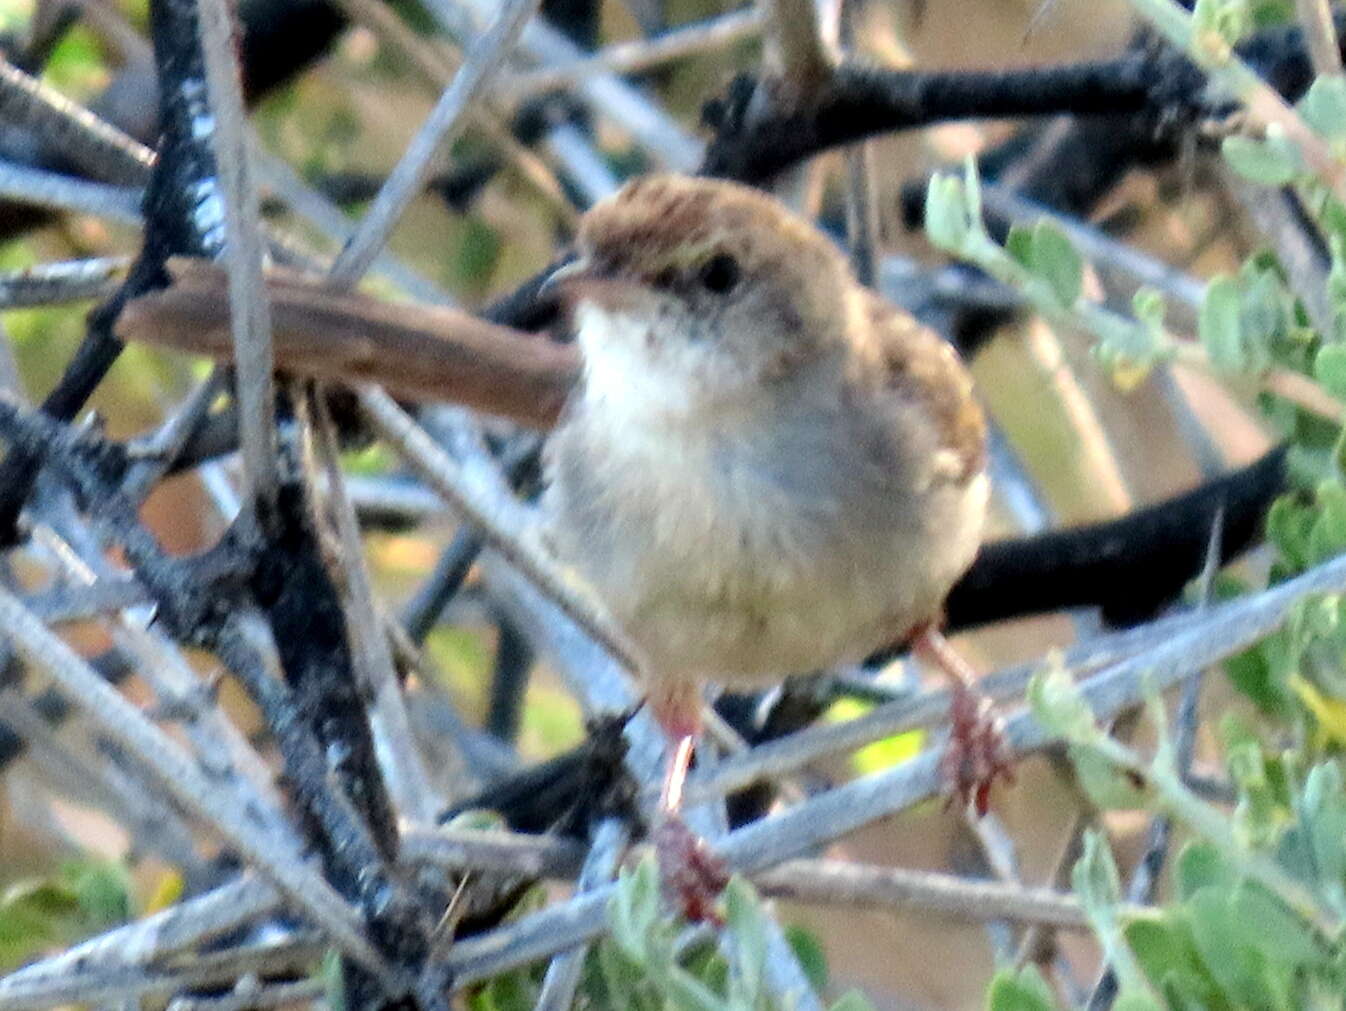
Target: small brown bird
(762,470)
(766,470)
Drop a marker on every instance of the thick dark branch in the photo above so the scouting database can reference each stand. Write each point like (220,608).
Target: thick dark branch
(1130,567)
(1155,90)
(860,102)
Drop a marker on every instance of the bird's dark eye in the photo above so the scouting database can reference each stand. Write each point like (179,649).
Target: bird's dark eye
(720,274)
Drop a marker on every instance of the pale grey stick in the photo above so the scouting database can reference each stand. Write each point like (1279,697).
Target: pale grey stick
(92,778)
(649,124)
(563,974)
(432,63)
(249,307)
(642,54)
(190,784)
(1321,34)
(439,128)
(1217,633)
(296,951)
(482,498)
(504,852)
(61,281)
(219,745)
(864,886)
(278,176)
(183,925)
(909,712)
(395,751)
(93,144)
(249,993)
(40,188)
(157,451)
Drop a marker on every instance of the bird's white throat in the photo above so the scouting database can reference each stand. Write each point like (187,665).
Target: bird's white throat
(637,376)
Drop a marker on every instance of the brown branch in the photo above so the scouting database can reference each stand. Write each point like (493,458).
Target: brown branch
(415,351)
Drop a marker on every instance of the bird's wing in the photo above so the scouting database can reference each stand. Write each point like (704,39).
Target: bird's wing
(921,366)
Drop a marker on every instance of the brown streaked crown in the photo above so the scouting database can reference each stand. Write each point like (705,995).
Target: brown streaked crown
(669,222)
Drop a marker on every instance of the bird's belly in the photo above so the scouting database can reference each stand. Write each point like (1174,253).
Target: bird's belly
(723,575)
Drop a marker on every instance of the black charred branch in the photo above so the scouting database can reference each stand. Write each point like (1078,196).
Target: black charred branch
(317,714)
(1157,92)
(179,220)
(1130,567)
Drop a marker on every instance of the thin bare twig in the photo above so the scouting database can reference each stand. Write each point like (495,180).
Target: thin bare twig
(645,120)
(61,281)
(803,60)
(249,309)
(93,144)
(188,783)
(643,54)
(492,851)
(429,62)
(439,128)
(400,762)
(154,826)
(1217,633)
(600,866)
(481,497)
(40,188)
(249,993)
(56,980)
(844,883)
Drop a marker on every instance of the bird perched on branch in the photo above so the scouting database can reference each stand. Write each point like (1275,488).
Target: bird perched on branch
(766,469)
(761,467)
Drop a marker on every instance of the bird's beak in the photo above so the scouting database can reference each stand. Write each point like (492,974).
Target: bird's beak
(582,279)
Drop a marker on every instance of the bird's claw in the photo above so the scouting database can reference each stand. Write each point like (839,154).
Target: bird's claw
(691,874)
(977,753)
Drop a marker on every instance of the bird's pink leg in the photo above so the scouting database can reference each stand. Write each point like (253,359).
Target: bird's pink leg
(977,752)
(693,877)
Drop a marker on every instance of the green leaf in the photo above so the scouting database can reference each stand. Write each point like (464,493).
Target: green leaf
(1135,1000)
(1053,258)
(1109,787)
(1024,990)
(749,933)
(620,975)
(1095,879)
(1239,968)
(1148,306)
(810,954)
(947,220)
(1230,20)
(1168,956)
(1219,324)
(86,896)
(634,911)
(1200,865)
(1262,161)
(1329,368)
(511,991)
(1019,244)
(1289,524)
(1324,107)
(1058,705)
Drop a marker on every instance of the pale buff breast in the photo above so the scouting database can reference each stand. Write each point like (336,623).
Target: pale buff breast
(748,556)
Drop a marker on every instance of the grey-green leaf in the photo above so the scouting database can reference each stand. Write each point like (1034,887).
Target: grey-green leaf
(1053,258)
(1261,161)
(1219,324)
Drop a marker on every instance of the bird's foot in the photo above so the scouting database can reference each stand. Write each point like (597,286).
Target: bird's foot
(692,875)
(977,753)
